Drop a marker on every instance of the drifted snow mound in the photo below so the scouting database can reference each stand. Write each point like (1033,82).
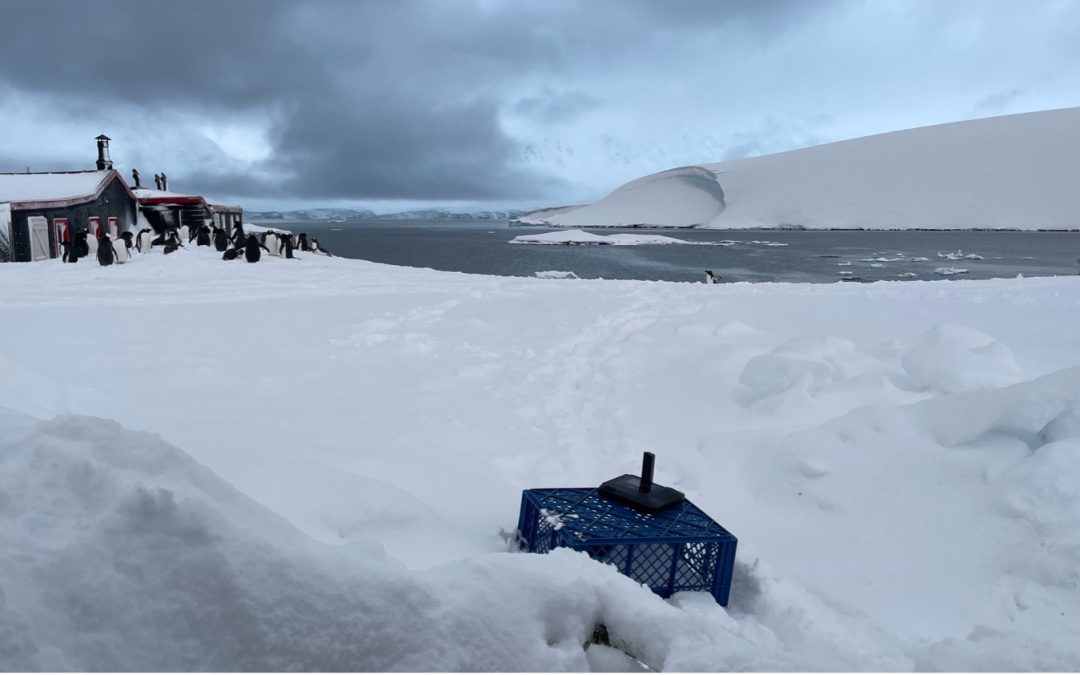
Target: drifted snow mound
(980,495)
(685,197)
(952,359)
(946,359)
(118,552)
(812,363)
(1015,171)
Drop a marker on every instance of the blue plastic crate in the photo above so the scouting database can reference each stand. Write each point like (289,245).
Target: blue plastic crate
(679,549)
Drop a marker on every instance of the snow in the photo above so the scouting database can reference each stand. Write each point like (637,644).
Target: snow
(959,255)
(31,187)
(1010,172)
(556,274)
(950,271)
(149,193)
(251,228)
(577,237)
(689,196)
(314,464)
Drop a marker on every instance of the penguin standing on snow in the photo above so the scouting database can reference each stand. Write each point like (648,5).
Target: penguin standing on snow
(302,242)
(69,252)
(128,238)
(272,243)
(202,236)
(81,247)
(221,241)
(286,246)
(711,278)
(143,239)
(120,251)
(238,237)
(186,233)
(251,249)
(317,249)
(105,253)
(92,242)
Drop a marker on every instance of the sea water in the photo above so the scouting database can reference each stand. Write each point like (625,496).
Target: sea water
(483,247)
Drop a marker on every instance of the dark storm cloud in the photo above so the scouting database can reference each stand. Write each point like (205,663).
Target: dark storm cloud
(232,54)
(367,99)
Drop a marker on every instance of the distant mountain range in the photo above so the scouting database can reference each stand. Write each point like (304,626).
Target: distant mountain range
(356,215)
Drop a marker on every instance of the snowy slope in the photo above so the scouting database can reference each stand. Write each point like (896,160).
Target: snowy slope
(898,460)
(1016,171)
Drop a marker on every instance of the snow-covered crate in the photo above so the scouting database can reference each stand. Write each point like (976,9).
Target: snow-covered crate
(678,549)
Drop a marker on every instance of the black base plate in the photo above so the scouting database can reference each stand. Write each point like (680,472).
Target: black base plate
(625,489)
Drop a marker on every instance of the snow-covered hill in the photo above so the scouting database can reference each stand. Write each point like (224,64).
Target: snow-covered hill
(1011,172)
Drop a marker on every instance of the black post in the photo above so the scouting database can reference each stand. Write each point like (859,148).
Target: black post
(647,461)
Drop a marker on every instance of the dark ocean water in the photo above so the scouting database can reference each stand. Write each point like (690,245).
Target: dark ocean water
(802,256)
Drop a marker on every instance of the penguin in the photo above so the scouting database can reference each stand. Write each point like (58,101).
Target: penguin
(287,246)
(159,240)
(105,253)
(128,238)
(221,241)
(711,278)
(202,236)
(169,248)
(81,247)
(272,243)
(186,233)
(92,244)
(231,254)
(238,238)
(69,252)
(120,251)
(319,250)
(302,242)
(143,239)
(251,249)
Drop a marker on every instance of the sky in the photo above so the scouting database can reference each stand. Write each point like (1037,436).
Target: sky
(468,104)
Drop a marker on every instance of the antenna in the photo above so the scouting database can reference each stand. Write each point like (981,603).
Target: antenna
(647,461)
(639,491)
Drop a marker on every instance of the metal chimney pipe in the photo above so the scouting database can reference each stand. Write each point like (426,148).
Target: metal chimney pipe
(647,462)
(103,160)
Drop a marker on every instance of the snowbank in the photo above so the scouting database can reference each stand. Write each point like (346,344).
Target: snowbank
(1011,172)
(898,460)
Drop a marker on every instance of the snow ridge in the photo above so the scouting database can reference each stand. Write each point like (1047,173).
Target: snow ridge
(1009,172)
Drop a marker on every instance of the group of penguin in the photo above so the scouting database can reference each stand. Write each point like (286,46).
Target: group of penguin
(109,251)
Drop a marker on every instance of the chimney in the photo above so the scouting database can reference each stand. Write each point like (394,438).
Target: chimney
(103,161)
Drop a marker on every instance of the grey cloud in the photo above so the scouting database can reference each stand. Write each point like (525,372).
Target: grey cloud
(551,107)
(401,99)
